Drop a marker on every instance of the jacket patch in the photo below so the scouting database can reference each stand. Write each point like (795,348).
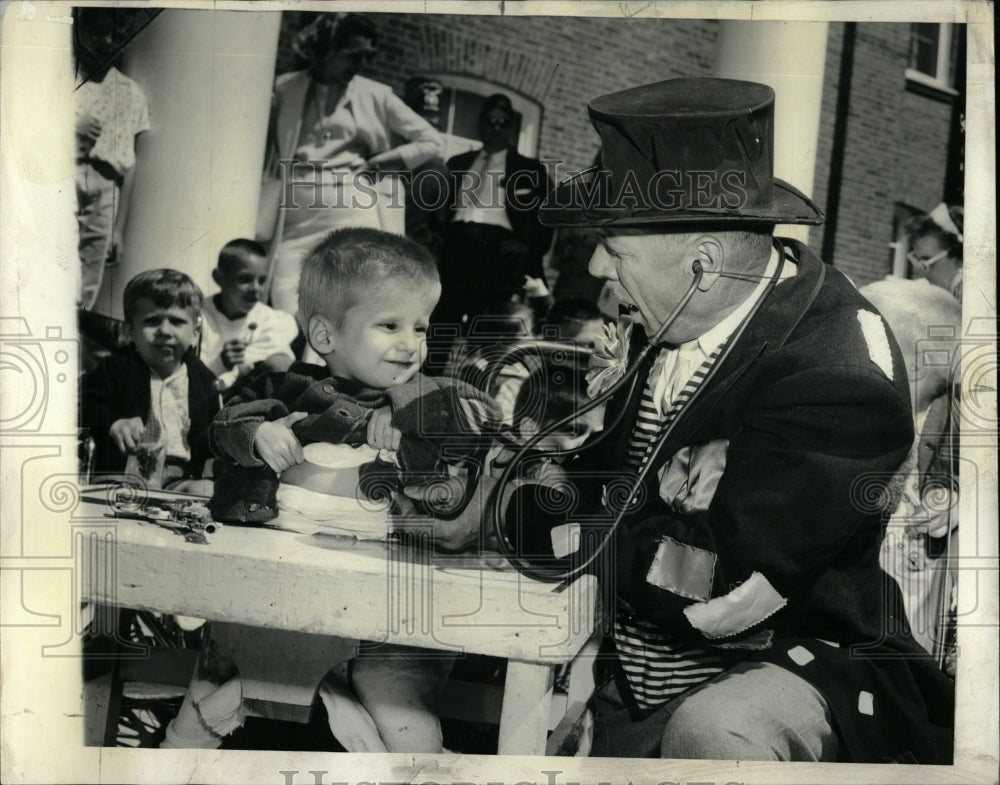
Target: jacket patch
(565,539)
(682,569)
(800,655)
(866,703)
(689,479)
(877,340)
(748,604)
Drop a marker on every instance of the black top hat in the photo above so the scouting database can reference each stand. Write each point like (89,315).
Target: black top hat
(682,151)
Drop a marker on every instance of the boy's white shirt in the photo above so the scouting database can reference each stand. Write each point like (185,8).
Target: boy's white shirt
(274,334)
(169,401)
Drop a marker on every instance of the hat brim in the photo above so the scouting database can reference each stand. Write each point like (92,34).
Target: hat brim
(569,205)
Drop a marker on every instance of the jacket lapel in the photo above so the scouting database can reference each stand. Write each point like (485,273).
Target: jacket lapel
(781,310)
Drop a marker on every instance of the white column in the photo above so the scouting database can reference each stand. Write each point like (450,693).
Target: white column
(40,269)
(207,76)
(788,56)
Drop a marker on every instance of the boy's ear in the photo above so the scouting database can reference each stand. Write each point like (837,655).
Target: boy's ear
(217,276)
(320,334)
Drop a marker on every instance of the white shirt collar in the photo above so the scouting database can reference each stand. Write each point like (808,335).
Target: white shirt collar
(709,341)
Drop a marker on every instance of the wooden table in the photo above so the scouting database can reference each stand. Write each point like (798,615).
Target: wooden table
(335,586)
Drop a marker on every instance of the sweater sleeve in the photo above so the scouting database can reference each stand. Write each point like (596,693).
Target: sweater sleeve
(232,431)
(439,407)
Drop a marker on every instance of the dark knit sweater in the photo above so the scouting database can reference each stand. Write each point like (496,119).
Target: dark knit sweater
(441,419)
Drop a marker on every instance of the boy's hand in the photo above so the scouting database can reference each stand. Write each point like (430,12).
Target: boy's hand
(233,353)
(276,445)
(125,433)
(381,434)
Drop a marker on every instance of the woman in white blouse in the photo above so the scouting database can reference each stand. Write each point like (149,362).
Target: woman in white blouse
(340,129)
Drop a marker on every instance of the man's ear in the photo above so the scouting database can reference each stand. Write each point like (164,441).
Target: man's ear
(320,334)
(217,276)
(711,254)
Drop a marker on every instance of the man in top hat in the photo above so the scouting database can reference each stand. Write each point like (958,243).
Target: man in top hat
(494,237)
(751,618)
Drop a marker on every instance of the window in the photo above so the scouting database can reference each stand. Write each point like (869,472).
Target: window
(458,105)
(933,54)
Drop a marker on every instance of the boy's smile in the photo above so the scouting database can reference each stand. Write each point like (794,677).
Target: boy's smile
(381,341)
(161,335)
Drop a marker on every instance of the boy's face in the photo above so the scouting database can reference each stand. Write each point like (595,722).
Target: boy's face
(576,434)
(162,335)
(382,340)
(241,285)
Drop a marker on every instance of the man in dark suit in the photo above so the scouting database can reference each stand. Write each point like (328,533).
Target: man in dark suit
(494,238)
(747,471)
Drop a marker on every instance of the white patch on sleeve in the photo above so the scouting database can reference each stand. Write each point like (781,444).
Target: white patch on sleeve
(866,703)
(800,655)
(565,539)
(877,340)
(748,604)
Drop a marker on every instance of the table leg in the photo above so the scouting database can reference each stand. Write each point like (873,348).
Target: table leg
(524,718)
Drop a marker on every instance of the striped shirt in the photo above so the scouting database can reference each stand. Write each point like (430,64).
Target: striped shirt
(659,666)
(656,667)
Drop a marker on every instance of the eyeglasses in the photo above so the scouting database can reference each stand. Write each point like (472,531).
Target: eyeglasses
(496,122)
(924,265)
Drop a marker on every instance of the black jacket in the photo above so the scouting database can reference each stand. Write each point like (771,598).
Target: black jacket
(526,184)
(799,430)
(118,387)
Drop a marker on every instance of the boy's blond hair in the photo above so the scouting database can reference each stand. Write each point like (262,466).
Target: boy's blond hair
(350,260)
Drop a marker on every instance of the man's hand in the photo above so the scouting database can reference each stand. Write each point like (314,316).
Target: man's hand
(275,443)
(233,353)
(464,531)
(381,433)
(125,433)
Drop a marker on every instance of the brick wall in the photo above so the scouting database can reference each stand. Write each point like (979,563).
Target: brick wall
(896,147)
(559,62)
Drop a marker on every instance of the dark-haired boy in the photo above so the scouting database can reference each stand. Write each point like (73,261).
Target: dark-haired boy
(240,332)
(156,393)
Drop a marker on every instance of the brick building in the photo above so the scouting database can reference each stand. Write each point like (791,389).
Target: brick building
(886,134)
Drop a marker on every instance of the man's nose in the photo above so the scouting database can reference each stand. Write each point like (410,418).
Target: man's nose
(600,265)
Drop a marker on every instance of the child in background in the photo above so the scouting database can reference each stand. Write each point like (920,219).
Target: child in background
(575,320)
(240,333)
(155,398)
(554,389)
(365,301)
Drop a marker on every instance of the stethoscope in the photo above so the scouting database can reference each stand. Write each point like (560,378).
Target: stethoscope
(527,450)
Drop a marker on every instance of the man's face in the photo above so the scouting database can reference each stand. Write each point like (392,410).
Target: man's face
(495,128)
(648,272)
(162,335)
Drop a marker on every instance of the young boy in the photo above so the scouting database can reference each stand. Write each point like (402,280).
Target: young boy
(240,333)
(365,301)
(156,397)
